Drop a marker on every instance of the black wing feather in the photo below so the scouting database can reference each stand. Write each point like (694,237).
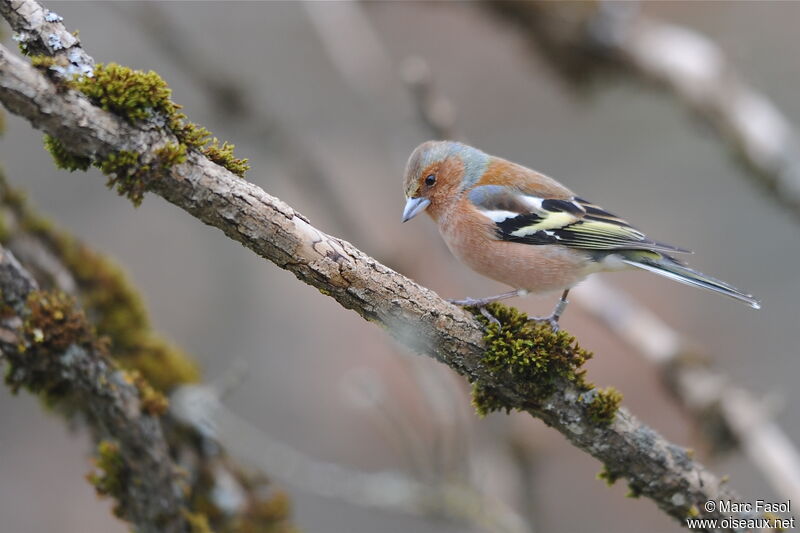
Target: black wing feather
(585,226)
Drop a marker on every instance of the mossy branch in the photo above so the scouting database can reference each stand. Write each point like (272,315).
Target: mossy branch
(153,365)
(52,349)
(416,316)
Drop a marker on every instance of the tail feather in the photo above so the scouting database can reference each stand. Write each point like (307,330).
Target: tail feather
(668,267)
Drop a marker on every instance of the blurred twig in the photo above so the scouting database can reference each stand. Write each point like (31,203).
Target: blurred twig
(351,44)
(435,112)
(724,411)
(200,406)
(583,39)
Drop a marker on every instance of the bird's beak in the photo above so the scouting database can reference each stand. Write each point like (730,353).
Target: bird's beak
(414,206)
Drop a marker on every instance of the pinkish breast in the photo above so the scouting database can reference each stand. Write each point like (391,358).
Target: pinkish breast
(535,268)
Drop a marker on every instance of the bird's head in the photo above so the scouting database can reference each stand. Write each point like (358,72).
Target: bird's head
(437,173)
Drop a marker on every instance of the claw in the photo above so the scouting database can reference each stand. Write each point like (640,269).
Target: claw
(480,304)
(485,312)
(552,320)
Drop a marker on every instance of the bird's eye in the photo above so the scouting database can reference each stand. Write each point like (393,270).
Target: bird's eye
(430,180)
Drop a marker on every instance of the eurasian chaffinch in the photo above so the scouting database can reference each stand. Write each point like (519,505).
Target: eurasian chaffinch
(524,229)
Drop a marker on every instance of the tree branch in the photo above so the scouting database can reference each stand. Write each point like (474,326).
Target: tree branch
(234,102)
(414,315)
(40,31)
(146,482)
(216,488)
(584,39)
(728,414)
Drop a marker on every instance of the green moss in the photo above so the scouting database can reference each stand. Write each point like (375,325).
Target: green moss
(55,322)
(485,401)
(119,313)
(277,507)
(137,96)
(152,401)
(5,229)
(774,521)
(269,514)
(634,491)
(604,405)
(162,363)
(223,156)
(51,325)
(528,354)
(611,477)
(131,94)
(198,522)
(111,302)
(42,62)
(608,476)
(62,157)
(171,154)
(12,198)
(110,475)
(189,133)
(125,174)
(265,509)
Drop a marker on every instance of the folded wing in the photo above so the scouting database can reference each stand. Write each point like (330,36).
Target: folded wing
(575,223)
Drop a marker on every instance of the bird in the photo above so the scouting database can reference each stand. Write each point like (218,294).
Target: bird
(524,229)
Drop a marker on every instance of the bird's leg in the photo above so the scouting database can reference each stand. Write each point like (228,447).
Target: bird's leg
(481,303)
(558,310)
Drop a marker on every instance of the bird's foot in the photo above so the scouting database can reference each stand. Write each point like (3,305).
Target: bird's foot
(481,304)
(552,320)
(489,316)
(473,302)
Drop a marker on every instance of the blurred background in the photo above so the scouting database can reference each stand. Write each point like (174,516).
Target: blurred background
(324,99)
